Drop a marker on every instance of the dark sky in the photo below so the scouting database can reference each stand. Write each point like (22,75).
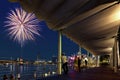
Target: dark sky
(45,46)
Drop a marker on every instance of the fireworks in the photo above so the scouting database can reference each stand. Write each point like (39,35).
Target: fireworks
(22,26)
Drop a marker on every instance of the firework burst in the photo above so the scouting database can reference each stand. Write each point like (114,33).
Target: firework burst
(22,26)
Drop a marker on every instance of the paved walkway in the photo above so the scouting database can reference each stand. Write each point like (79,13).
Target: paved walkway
(99,73)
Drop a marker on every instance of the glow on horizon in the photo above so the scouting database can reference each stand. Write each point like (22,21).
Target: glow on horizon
(22,26)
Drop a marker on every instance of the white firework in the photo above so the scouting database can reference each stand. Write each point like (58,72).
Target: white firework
(22,26)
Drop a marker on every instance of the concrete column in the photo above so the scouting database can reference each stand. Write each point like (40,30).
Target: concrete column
(59,70)
(118,54)
(79,52)
(97,61)
(111,60)
(115,55)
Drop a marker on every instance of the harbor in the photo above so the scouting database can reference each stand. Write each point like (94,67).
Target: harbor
(28,71)
(39,69)
(60,40)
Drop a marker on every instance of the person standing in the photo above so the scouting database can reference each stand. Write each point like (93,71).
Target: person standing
(18,76)
(12,77)
(79,63)
(76,63)
(64,64)
(86,61)
(5,77)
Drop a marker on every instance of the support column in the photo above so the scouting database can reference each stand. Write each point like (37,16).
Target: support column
(79,52)
(118,54)
(59,70)
(97,61)
(115,55)
(111,60)
(88,54)
(89,60)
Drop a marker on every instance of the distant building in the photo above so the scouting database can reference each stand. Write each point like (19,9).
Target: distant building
(20,61)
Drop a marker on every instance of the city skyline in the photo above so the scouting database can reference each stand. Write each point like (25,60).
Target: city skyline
(46,46)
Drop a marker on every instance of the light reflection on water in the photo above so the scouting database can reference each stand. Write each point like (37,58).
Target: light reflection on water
(26,70)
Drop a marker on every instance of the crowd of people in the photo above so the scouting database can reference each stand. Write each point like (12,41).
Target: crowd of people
(11,77)
(78,63)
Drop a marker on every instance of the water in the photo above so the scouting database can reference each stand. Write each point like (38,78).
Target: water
(27,71)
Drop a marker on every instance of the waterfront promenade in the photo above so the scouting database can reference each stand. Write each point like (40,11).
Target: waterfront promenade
(93,73)
(97,73)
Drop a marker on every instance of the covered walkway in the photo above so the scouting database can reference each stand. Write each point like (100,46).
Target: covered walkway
(92,24)
(97,73)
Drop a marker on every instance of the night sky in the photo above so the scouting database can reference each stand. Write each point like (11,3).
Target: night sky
(45,46)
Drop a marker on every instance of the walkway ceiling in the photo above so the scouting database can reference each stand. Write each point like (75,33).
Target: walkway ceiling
(92,24)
